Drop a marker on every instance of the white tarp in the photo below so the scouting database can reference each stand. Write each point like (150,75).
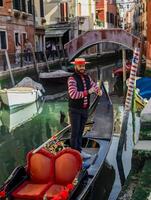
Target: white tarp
(28,82)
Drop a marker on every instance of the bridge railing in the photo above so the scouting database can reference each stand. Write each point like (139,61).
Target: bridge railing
(24,59)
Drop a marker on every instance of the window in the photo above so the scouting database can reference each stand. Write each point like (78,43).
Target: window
(23,5)
(29,5)
(41,8)
(111,18)
(16,4)
(108,19)
(24,37)
(3,44)
(17,38)
(64,11)
(1,2)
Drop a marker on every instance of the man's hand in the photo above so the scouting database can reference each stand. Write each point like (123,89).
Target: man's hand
(99,92)
(91,90)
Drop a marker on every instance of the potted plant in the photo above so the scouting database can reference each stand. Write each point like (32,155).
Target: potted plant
(43,20)
(24,15)
(17,13)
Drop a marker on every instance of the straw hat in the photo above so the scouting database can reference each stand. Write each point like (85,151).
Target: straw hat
(79,61)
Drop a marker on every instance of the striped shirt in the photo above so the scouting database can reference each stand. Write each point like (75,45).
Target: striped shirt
(75,94)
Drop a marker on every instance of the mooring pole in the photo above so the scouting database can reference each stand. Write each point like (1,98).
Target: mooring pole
(124,70)
(9,68)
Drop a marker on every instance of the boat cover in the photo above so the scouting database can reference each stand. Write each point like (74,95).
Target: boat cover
(28,82)
(55,74)
(144,86)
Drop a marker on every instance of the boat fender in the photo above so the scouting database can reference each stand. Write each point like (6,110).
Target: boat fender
(39,93)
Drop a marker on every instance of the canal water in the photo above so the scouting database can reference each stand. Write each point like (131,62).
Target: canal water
(24,129)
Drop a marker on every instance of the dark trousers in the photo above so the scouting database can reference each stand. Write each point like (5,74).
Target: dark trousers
(78,118)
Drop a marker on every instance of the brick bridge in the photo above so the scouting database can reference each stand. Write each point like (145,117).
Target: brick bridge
(90,38)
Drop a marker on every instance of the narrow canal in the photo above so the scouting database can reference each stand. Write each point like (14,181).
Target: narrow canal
(24,129)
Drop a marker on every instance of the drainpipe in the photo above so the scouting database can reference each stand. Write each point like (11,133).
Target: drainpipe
(34,18)
(33,50)
(105,13)
(124,71)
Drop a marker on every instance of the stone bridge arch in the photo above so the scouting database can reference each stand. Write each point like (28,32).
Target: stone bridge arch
(90,38)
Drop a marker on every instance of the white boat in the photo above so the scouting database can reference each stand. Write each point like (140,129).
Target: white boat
(19,96)
(25,92)
(16,117)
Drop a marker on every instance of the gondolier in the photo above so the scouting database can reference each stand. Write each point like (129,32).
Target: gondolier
(80,87)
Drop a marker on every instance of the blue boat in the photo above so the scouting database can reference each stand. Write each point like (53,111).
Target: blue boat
(144,86)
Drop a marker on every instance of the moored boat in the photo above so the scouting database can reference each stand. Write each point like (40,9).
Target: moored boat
(62,177)
(18,96)
(144,86)
(59,76)
(25,92)
(140,102)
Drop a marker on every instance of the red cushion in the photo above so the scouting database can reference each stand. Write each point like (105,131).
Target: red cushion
(73,152)
(41,167)
(66,168)
(30,191)
(53,190)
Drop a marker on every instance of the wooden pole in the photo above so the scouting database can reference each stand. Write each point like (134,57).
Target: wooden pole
(35,62)
(46,61)
(9,67)
(135,63)
(124,70)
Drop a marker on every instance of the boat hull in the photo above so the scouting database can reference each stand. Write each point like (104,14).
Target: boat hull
(16,97)
(16,117)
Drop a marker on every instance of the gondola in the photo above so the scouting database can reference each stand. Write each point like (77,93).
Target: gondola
(59,76)
(96,141)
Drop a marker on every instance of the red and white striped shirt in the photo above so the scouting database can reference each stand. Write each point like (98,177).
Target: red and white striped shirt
(75,94)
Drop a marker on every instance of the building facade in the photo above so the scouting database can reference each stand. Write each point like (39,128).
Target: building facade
(107,14)
(39,24)
(16,23)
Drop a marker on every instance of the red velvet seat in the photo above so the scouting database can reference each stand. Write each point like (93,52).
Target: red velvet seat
(40,168)
(67,164)
(49,174)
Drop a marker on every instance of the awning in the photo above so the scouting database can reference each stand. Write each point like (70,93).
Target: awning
(50,33)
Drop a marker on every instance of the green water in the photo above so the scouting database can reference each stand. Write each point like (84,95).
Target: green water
(25,129)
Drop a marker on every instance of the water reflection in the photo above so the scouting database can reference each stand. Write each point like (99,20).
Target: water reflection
(103,186)
(122,165)
(11,119)
(28,134)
